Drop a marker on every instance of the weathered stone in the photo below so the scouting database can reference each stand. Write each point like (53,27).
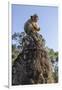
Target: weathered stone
(32,65)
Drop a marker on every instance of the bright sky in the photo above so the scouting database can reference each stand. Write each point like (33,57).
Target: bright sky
(48,21)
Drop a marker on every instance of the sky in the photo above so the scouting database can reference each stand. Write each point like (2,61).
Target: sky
(48,21)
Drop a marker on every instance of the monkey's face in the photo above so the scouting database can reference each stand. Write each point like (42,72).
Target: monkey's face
(35,19)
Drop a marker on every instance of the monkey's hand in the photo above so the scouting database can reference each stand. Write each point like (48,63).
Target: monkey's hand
(38,29)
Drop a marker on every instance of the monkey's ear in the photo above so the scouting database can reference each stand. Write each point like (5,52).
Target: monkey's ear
(31,17)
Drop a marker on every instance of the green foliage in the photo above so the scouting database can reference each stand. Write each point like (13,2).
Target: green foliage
(13,47)
(55,76)
(15,52)
(53,54)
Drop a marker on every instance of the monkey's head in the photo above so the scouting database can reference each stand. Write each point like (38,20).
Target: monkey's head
(34,18)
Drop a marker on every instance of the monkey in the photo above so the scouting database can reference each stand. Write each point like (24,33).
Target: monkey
(31,25)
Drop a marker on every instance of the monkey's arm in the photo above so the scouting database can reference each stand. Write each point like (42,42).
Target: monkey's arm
(35,28)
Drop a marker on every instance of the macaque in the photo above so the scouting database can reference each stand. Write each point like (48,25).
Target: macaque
(31,25)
